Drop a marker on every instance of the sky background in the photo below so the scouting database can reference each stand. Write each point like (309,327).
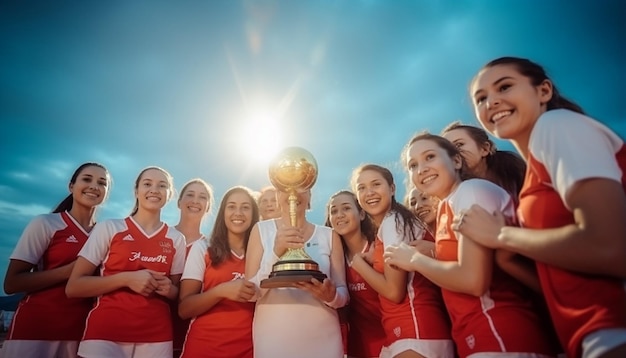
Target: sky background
(212,89)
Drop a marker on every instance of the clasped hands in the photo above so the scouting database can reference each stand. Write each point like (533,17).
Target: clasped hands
(146,281)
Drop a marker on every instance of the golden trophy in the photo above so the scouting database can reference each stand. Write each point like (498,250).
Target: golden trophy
(293,170)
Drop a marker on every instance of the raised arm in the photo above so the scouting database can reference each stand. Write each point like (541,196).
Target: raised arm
(390,284)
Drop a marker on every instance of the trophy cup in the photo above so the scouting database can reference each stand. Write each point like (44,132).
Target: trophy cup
(294,169)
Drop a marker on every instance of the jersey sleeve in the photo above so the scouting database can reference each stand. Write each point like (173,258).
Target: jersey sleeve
(178,263)
(97,246)
(392,234)
(195,266)
(483,193)
(35,240)
(573,147)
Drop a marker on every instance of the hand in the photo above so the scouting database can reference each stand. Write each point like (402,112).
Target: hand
(323,291)
(164,284)
(142,282)
(424,247)
(368,256)
(400,256)
(288,237)
(480,226)
(239,290)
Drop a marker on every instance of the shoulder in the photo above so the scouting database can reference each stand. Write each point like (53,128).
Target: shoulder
(199,246)
(108,227)
(323,230)
(476,185)
(173,233)
(565,124)
(478,191)
(48,218)
(391,218)
(45,225)
(113,223)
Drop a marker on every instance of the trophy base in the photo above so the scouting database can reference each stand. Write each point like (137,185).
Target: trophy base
(301,271)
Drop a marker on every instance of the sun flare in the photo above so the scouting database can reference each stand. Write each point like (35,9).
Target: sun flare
(262,137)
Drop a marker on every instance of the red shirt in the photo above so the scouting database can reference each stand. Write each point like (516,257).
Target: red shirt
(565,148)
(502,319)
(421,314)
(365,335)
(225,330)
(123,315)
(50,241)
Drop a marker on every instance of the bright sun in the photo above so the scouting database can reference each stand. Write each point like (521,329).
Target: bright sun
(262,137)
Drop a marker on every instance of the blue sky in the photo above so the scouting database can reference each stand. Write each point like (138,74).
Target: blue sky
(193,86)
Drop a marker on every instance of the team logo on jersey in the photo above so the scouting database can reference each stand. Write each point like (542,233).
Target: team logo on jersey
(471,341)
(166,246)
(136,255)
(237,276)
(128,238)
(397,331)
(72,239)
(314,243)
(357,286)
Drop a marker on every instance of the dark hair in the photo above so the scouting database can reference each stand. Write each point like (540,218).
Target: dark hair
(537,76)
(170,181)
(206,186)
(219,248)
(368,229)
(409,219)
(67,203)
(445,144)
(505,168)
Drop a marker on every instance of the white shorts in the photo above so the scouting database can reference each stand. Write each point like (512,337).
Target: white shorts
(443,348)
(44,349)
(507,355)
(95,348)
(602,341)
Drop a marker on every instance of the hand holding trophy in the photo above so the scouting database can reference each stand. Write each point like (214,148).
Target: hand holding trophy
(294,169)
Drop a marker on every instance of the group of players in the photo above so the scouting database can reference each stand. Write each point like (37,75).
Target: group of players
(492,254)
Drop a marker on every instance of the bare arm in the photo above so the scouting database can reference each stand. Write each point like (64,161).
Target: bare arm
(82,283)
(471,274)
(254,254)
(595,243)
(390,284)
(20,277)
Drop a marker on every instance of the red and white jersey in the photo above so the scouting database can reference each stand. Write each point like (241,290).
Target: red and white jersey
(421,315)
(366,336)
(50,241)
(179,325)
(502,319)
(565,148)
(122,315)
(225,330)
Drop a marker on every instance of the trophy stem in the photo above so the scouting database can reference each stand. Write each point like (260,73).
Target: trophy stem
(292,207)
(294,169)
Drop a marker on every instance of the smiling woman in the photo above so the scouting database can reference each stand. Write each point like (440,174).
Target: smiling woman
(262,137)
